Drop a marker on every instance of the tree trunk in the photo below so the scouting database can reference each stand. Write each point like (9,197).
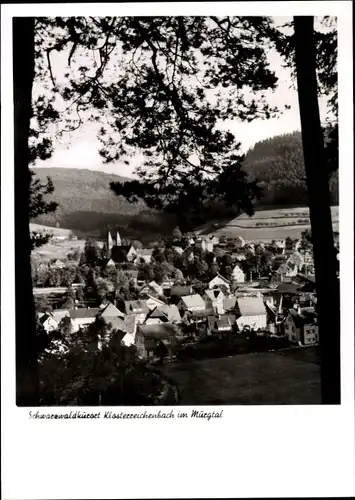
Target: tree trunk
(327,283)
(26,351)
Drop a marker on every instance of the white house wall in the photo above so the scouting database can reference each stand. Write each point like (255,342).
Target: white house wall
(254,322)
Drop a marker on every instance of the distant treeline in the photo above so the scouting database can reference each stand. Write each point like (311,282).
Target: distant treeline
(278,165)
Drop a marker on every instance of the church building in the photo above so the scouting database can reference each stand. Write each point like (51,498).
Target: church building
(113,241)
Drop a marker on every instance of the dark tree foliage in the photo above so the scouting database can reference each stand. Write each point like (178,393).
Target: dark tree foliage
(278,164)
(86,375)
(325,39)
(183,76)
(38,205)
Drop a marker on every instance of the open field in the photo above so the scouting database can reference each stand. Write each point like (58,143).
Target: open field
(57,249)
(55,231)
(297,212)
(276,224)
(281,377)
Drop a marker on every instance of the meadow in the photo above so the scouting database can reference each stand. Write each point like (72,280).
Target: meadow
(281,377)
(267,225)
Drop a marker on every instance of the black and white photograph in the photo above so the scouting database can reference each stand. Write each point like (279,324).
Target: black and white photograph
(173,259)
(176,212)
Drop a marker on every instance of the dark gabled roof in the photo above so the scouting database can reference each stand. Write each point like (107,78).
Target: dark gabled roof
(84,313)
(119,254)
(111,311)
(165,312)
(157,313)
(288,288)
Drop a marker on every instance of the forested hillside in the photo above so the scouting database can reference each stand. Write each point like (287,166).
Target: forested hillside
(278,164)
(88,206)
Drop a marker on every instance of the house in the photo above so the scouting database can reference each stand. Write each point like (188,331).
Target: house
(163,314)
(198,317)
(59,314)
(156,340)
(301,326)
(81,318)
(204,244)
(152,301)
(152,288)
(220,325)
(238,274)
(229,303)
(124,327)
(214,299)
(192,303)
(172,313)
(288,270)
(110,311)
(279,246)
(297,259)
(251,313)
(123,253)
(138,308)
(48,322)
(275,317)
(239,242)
(110,263)
(143,255)
(218,281)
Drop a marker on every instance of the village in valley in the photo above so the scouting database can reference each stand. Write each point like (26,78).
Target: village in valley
(187,297)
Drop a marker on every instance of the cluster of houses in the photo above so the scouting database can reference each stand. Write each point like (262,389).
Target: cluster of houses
(165,312)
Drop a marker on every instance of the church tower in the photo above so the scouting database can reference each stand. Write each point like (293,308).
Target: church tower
(109,242)
(118,240)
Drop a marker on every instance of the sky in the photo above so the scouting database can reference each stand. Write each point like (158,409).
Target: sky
(80,149)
